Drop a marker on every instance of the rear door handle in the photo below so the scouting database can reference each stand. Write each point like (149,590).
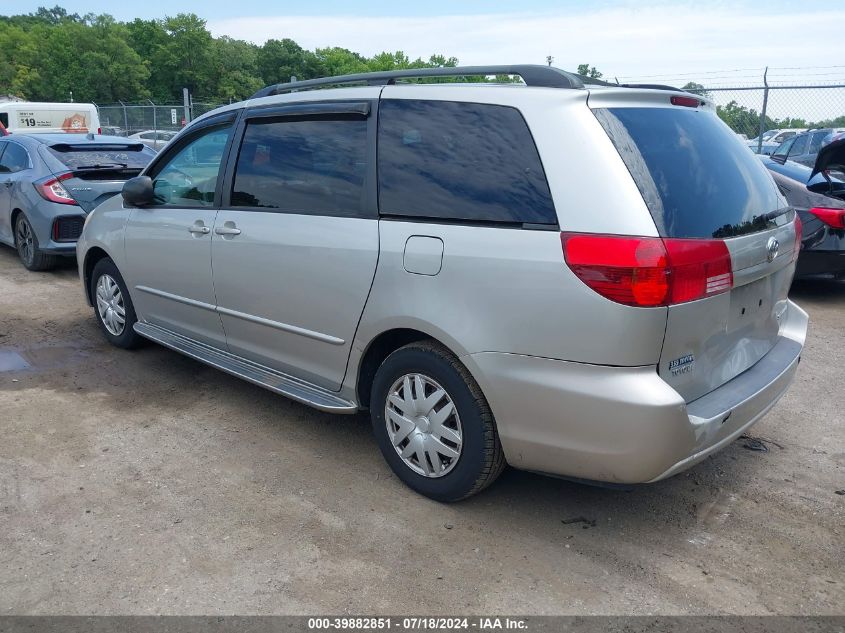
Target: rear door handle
(227,230)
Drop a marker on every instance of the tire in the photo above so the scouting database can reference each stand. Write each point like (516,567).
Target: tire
(26,243)
(112,298)
(469,430)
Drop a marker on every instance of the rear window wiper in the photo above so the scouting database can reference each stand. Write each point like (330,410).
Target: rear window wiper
(103,166)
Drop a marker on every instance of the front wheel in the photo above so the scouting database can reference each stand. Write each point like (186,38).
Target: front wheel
(433,424)
(112,306)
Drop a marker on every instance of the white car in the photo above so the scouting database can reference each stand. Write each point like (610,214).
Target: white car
(156,139)
(773,138)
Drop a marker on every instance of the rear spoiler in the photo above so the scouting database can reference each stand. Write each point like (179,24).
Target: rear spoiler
(93,147)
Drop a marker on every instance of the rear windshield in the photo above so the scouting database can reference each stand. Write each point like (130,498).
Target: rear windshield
(134,157)
(697,179)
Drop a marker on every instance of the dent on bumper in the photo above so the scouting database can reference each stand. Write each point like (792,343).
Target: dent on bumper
(624,424)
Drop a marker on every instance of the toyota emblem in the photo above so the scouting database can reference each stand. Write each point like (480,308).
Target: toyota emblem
(772,249)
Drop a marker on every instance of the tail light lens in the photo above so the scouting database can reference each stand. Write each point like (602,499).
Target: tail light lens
(649,271)
(834,218)
(53,190)
(99,130)
(689,102)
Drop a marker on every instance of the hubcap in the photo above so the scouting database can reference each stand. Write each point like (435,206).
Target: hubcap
(110,305)
(423,425)
(24,238)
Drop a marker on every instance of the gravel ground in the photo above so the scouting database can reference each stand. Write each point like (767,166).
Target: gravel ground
(146,483)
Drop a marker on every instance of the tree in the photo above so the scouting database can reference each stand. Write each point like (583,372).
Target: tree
(279,60)
(236,66)
(589,71)
(742,120)
(696,89)
(183,59)
(341,61)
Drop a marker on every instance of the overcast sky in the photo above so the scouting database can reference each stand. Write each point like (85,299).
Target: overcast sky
(715,42)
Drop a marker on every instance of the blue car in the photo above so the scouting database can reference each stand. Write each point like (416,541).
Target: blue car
(49,182)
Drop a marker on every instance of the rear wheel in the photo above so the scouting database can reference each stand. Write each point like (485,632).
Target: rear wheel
(433,424)
(27,244)
(112,305)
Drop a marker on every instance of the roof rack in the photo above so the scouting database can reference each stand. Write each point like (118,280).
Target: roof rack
(532,75)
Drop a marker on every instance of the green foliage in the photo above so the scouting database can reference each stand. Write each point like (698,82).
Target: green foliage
(50,53)
(696,89)
(589,71)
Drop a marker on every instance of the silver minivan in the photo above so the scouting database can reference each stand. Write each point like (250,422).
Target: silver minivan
(570,277)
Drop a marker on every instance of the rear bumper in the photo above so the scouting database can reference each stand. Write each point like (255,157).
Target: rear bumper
(60,248)
(813,263)
(625,424)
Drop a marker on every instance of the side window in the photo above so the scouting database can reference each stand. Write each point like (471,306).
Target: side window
(4,119)
(816,141)
(313,166)
(460,161)
(188,178)
(800,145)
(784,148)
(14,159)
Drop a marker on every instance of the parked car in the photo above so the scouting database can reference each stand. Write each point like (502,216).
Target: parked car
(48,118)
(155,139)
(771,140)
(49,182)
(493,271)
(818,196)
(113,130)
(803,148)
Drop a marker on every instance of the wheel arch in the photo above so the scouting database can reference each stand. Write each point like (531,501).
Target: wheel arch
(92,256)
(12,222)
(384,344)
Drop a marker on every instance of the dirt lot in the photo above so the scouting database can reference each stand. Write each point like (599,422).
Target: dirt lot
(144,482)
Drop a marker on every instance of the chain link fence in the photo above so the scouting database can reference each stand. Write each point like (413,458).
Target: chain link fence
(124,119)
(752,110)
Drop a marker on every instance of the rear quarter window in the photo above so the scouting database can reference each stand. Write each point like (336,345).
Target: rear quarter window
(697,179)
(460,161)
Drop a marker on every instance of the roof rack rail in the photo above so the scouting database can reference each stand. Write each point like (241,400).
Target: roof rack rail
(532,75)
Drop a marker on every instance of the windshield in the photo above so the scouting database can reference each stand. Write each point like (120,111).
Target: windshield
(697,179)
(133,157)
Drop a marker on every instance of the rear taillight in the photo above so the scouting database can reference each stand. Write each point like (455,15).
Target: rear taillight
(649,271)
(53,190)
(99,130)
(799,230)
(834,218)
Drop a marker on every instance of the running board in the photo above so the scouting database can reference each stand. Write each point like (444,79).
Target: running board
(288,386)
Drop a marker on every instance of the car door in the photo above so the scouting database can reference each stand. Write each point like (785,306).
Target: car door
(15,164)
(5,198)
(295,244)
(168,243)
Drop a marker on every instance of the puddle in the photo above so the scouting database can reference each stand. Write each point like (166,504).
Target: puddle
(48,357)
(12,361)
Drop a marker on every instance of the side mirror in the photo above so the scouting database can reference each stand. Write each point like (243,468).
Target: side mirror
(778,158)
(138,191)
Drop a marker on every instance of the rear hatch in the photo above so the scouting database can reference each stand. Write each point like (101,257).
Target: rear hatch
(93,172)
(702,185)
